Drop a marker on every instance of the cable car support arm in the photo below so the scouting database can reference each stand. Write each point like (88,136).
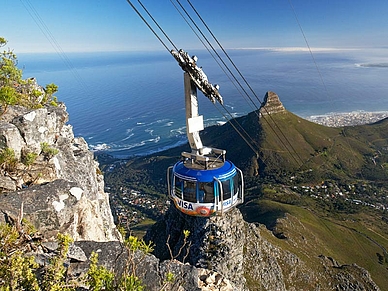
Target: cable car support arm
(195,78)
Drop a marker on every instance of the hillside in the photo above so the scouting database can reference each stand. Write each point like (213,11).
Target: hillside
(313,191)
(314,235)
(287,145)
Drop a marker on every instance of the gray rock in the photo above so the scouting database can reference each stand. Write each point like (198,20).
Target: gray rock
(50,245)
(237,250)
(152,272)
(76,253)
(271,104)
(42,259)
(66,190)
(10,137)
(7,184)
(215,243)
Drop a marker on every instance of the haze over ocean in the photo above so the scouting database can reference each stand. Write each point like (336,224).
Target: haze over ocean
(131,103)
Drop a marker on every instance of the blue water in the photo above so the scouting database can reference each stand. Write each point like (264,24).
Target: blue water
(132,103)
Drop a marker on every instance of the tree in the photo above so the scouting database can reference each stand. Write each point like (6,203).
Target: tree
(15,90)
(49,97)
(8,96)
(3,41)
(9,73)
(10,76)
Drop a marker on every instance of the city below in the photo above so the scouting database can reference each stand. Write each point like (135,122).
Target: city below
(349,118)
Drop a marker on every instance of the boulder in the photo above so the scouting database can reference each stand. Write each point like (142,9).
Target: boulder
(57,207)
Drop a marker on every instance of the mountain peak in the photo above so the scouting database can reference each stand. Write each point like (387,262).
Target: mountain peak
(271,104)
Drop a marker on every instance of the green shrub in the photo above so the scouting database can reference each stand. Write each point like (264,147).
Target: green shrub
(48,151)
(17,272)
(8,160)
(29,158)
(15,90)
(20,272)
(98,277)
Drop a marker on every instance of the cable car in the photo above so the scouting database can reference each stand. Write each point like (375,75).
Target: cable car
(203,183)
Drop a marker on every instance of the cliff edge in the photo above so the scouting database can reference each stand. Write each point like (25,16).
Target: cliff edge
(245,254)
(50,177)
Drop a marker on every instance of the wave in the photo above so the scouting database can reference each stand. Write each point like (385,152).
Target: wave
(139,144)
(229,106)
(178,131)
(159,121)
(128,137)
(150,131)
(99,147)
(176,144)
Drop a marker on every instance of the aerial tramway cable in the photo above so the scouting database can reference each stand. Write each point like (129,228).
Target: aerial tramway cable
(52,40)
(149,26)
(226,66)
(214,50)
(223,69)
(300,162)
(315,63)
(153,19)
(158,37)
(307,44)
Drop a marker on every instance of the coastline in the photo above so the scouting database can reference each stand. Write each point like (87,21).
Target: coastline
(348,118)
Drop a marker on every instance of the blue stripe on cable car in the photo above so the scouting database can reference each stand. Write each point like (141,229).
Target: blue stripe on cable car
(227,171)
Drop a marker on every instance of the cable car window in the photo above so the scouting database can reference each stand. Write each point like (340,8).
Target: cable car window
(178,187)
(226,188)
(206,193)
(236,184)
(189,191)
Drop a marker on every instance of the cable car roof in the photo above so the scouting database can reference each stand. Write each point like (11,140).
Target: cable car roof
(227,171)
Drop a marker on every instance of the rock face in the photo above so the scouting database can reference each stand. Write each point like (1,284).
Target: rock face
(152,272)
(215,243)
(271,104)
(60,189)
(241,253)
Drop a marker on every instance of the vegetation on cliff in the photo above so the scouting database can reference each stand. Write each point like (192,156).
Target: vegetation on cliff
(20,269)
(16,91)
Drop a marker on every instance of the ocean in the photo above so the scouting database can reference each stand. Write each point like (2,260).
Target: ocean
(132,103)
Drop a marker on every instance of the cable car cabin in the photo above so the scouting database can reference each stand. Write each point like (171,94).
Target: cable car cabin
(205,192)
(203,183)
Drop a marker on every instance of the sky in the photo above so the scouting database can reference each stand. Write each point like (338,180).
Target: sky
(112,25)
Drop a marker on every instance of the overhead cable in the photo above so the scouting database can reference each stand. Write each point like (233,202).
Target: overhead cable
(265,109)
(52,40)
(148,25)
(163,43)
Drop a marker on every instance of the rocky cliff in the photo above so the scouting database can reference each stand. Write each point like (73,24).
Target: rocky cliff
(62,191)
(50,177)
(244,254)
(271,104)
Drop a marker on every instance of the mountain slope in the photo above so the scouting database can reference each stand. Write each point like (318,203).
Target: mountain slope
(284,145)
(289,144)
(314,192)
